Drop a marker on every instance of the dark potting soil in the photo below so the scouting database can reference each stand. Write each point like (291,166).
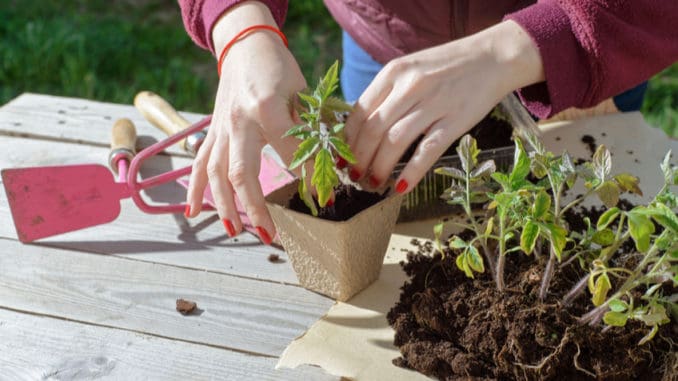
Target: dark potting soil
(348,201)
(455,328)
(489,133)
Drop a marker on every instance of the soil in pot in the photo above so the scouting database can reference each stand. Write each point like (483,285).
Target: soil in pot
(451,327)
(348,202)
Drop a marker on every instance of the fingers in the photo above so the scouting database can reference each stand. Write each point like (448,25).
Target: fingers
(395,142)
(198,179)
(218,168)
(243,174)
(432,146)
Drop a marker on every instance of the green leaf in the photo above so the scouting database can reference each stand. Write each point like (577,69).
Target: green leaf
(485,168)
(641,228)
(600,289)
(455,173)
(462,264)
(608,192)
(542,203)
(324,178)
(666,168)
(539,165)
(665,217)
(617,305)
(468,153)
(310,100)
(615,319)
(474,259)
(335,104)
(502,179)
(521,164)
(457,243)
(602,162)
(528,237)
(603,237)
(607,218)
(343,149)
(338,128)
(305,193)
(304,152)
(328,83)
(297,131)
(628,183)
(558,237)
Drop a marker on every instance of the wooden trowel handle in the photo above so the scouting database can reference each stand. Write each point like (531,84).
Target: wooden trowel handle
(162,115)
(123,141)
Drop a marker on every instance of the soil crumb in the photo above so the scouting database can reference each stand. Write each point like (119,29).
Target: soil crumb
(590,142)
(274,258)
(185,307)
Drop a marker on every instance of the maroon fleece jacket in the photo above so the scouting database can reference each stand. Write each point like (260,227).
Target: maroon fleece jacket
(591,49)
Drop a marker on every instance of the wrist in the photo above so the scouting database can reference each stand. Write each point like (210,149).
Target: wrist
(516,55)
(237,18)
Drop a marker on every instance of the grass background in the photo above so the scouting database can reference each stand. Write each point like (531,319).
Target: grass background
(110,50)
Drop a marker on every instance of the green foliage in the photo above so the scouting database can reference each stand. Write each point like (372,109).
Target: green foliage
(322,139)
(110,50)
(521,213)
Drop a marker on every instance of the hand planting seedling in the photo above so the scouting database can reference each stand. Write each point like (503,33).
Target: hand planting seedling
(532,320)
(322,139)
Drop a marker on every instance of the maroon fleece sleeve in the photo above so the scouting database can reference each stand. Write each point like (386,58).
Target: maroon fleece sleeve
(200,16)
(595,49)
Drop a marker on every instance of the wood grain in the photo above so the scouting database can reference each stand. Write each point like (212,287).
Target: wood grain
(41,348)
(248,315)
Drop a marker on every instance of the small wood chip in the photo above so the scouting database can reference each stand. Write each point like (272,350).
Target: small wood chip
(185,307)
(273,258)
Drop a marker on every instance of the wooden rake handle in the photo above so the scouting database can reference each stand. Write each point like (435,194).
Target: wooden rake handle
(162,115)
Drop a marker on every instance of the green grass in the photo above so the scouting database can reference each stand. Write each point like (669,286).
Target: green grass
(110,50)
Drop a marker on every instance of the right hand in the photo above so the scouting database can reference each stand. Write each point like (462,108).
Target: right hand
(253,107)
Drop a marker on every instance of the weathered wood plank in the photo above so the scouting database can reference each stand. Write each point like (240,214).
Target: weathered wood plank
(197,243)
(75,120)
(237,313)
(40,348)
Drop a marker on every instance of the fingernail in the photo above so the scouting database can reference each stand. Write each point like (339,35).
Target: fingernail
(263,234)
(374,181)
(330,202)
(229,227)
(401,186)
(354,174)
(187,212)
(341,163)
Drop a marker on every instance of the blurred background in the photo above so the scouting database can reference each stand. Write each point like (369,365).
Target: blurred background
(110,50)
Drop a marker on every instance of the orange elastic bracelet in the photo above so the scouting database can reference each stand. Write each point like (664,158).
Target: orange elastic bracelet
(241,35)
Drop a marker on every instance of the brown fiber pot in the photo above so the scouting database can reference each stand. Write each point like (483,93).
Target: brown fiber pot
(337,259)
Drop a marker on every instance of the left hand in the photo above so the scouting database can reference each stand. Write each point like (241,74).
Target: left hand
(440,92)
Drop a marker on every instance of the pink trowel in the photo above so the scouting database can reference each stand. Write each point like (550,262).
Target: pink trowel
(161,114)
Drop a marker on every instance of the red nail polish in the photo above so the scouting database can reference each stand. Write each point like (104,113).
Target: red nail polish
(229,227)
(354,174)
(341,163)
(263,234)
(187,212)
(330,202)
(401,186)
(374,181)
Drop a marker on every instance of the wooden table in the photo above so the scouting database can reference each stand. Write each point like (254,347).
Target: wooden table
(100,302)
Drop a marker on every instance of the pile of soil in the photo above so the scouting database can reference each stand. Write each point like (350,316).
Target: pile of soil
(348,201)
(451,327)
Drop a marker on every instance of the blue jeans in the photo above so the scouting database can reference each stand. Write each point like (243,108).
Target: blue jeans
(359,69)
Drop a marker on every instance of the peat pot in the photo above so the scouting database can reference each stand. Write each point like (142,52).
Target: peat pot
(335,258)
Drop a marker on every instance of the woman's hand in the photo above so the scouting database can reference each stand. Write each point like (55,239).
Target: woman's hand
(440,92)
(253,107)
